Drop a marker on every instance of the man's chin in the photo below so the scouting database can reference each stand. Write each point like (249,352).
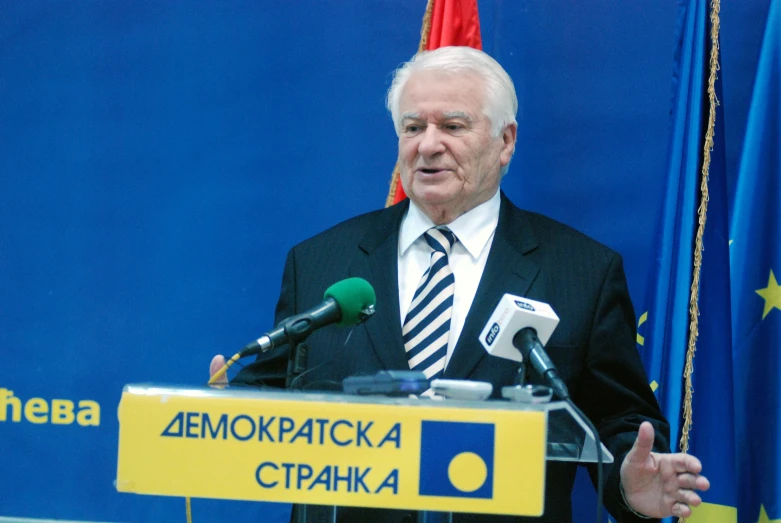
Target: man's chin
(441,209)
(432,200)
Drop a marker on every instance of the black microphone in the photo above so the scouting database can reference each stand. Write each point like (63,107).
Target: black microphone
(347,302)
(526,341)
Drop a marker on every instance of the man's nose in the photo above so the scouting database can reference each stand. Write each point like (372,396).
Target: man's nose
(431,142)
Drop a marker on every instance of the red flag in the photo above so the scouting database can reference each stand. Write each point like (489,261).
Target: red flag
(454,22)
(446,23)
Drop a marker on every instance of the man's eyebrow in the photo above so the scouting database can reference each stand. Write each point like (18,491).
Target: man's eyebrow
(457,114)
(445,116)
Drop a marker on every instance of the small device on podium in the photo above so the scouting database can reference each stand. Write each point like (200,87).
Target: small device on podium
(411,383)
(387,383)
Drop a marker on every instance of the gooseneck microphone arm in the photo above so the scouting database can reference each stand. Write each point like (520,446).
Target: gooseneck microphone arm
(528,343)
(347,302)
(296,328)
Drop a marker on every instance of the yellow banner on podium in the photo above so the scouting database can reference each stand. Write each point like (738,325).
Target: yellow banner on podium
(332,450)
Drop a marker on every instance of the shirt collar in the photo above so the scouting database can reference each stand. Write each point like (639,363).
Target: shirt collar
(473,229)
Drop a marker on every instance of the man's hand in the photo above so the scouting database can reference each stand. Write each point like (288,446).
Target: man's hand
(217,363)
(660,485)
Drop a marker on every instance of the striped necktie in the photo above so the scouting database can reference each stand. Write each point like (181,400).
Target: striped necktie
(427,324)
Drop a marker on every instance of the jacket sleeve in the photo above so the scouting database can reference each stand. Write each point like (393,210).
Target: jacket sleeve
(615,393)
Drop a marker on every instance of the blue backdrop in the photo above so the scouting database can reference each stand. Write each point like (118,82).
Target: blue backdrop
(158,159)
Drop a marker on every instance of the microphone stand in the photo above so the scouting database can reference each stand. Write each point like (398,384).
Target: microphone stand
(520,377)
(296,363)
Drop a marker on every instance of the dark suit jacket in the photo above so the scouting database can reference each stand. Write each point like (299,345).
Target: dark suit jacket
(531,255)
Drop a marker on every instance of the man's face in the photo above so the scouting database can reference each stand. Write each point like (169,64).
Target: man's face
(448,159)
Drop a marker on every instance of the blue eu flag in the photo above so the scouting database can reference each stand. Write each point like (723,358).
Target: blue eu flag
(665,338)
(664,326)
(756,294)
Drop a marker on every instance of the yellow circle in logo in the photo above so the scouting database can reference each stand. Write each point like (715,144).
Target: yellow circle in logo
(467,471)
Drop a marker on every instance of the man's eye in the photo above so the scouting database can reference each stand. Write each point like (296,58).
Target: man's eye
(454,127)
(412,128)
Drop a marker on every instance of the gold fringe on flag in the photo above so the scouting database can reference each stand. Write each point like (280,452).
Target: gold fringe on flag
(393,184)
(702,211)
(425,29)
(424,32)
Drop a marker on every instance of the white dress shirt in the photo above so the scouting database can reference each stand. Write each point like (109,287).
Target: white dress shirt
(475,232)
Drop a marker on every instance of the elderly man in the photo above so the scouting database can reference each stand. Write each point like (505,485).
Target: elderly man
(441,261)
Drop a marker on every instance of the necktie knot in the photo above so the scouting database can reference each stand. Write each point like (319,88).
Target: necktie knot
(441,239)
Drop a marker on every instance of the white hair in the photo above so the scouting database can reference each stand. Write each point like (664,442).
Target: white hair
(500,104)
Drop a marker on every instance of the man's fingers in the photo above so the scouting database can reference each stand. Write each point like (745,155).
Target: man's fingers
(702,483)
(217,363)
(685,463)
(687,481)
(684,500)
(688,497)
(643,445)
(681,510)
(693,482)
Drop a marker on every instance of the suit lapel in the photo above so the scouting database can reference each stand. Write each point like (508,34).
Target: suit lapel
(377,262)
(507,270)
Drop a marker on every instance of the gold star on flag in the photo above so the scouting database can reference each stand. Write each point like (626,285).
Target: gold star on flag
(763,517)
(771,295)
(643,318)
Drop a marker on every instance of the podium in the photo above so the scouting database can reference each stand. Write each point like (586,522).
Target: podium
(334,449)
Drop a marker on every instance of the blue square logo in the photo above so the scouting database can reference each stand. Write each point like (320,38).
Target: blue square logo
(457,459)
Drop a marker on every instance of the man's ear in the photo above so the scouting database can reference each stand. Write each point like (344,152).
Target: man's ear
(508,148)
